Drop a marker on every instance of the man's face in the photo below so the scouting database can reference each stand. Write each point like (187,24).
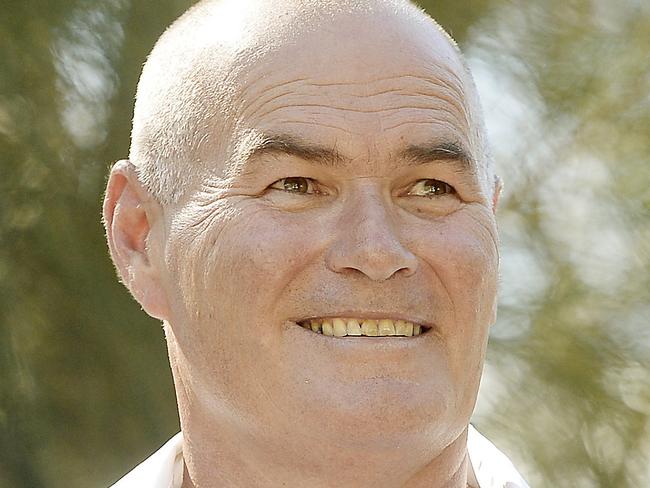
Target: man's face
(363,202)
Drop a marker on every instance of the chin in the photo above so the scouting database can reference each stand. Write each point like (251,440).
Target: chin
(384,413)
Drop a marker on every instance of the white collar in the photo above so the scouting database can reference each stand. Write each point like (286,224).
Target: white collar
(490,468)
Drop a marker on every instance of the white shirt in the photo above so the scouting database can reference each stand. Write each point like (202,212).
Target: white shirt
(489,467)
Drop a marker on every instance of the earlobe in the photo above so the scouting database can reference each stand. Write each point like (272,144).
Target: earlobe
(129,213)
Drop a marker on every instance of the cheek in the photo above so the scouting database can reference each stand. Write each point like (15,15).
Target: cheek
(462,254)
(471,267)
(471,273)
(231,270)
(264,252)
(235,255)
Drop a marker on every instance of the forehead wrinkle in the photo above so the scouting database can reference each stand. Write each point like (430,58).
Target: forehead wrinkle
(433,88)
(382,79)
(319,124)
(251,101)
(388,109)
(323,106)
(338,121)
(303,101)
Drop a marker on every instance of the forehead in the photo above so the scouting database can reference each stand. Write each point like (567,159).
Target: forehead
(368,88)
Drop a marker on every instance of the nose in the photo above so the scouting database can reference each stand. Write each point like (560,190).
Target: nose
(366,241)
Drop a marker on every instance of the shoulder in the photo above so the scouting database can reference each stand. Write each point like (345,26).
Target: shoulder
(492,468)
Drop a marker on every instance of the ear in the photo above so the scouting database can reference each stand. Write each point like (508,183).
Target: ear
(130,213)
(498,188)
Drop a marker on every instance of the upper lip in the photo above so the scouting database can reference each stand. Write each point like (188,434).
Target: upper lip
(358,314)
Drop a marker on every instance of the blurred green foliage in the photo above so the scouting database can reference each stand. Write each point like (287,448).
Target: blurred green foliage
(85,389)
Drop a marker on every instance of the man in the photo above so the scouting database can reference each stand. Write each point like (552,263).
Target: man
(309,208)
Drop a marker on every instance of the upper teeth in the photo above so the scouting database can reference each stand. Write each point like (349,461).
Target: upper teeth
(340,327)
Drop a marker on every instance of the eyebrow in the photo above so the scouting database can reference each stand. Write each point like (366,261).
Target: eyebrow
(415,154)
(283,144)
(452,152)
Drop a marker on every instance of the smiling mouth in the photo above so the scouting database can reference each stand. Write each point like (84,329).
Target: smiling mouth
(344,327)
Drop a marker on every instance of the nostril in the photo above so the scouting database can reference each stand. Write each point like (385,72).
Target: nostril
(380,269)
(407,270)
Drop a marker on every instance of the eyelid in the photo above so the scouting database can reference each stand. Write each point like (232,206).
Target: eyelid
(310,183)
(452,191)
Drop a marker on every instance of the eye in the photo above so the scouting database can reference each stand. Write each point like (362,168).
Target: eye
(295,184)
(431,188)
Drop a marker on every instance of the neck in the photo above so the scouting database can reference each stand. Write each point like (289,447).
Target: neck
(220,457)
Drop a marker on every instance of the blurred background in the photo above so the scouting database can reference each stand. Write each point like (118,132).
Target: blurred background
(85,388)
